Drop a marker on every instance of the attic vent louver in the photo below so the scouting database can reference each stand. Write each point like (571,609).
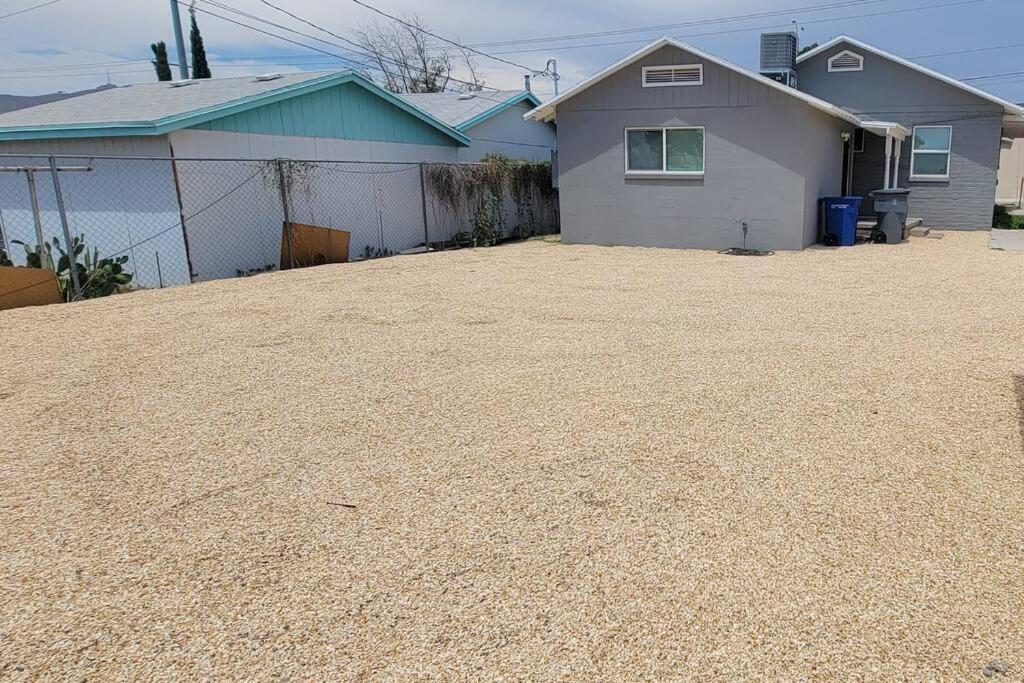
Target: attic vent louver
(466,96)
(678,74)
(268,77)
(846,61)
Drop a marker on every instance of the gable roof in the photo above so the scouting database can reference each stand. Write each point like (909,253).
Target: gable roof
(1009,108)
(159,108)
(546,111)
(15,102)
(465,110)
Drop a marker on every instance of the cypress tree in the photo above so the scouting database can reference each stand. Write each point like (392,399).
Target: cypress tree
(160,63)
(200,69)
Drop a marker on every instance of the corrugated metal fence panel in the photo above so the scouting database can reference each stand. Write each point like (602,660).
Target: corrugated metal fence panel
(347,112)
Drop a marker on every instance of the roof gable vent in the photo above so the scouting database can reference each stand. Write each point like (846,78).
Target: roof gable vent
(846,61)
(677,74)
(268,77)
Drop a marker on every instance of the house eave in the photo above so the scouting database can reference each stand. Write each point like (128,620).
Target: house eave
(199,116)
(524,96)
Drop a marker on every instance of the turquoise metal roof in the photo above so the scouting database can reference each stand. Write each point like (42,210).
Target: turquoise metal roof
(366,112)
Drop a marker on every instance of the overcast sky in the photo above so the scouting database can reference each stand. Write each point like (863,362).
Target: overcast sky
(96,32)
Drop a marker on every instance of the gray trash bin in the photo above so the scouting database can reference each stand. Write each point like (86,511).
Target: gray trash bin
(891,209)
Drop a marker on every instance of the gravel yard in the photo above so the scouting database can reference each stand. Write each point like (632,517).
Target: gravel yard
(536,461)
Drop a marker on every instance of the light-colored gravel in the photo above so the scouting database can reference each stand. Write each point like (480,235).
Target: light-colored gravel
(565,461)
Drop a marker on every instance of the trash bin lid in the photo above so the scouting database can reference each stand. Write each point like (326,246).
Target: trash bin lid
(892,192)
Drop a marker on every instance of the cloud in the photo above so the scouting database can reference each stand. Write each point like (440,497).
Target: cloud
(88,32)
(41,51)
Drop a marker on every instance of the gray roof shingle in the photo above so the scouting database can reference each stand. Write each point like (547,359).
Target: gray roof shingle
(456,108)
(151,102)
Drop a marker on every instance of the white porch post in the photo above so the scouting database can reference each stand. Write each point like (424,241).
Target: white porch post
(896,170)
(888,162)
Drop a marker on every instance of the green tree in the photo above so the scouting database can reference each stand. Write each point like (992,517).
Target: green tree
(200,68)
(807,48)
(160,63)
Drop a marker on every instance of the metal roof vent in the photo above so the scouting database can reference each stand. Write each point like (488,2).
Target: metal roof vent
(182,84)
(466,96)
(268,77)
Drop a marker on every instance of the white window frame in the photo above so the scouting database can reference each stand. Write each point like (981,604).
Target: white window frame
(664,152)
(914,152)
(840,69)
(645,84)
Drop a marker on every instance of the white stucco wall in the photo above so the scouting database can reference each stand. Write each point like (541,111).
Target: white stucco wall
(508,134)
(121,206)
(222,145)
(378,202)
(1011,171)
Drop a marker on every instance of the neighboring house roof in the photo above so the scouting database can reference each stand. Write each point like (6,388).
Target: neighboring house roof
(465,110)
(546,111)
(1009,108)
(159,108)
(15,102)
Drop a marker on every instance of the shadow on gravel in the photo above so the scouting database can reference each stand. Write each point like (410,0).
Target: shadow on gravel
(1018,389)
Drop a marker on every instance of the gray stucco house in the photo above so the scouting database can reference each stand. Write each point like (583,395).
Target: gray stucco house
(675,147)
(951,163)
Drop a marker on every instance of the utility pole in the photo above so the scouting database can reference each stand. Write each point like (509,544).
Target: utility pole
(552,69)
(179,40)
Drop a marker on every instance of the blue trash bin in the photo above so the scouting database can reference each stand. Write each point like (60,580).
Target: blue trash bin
(841,220)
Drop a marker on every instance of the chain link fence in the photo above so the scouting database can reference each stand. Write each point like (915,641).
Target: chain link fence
(177,221)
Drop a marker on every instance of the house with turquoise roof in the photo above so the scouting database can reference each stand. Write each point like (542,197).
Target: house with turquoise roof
(315,117)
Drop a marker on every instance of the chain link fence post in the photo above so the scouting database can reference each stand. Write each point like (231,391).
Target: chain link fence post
(423,194)
(37,219)
(72,266)
(287,227)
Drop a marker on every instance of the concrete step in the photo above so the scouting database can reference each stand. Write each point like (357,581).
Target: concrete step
(914,225)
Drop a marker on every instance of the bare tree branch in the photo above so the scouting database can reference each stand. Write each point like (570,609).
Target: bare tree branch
(411,61)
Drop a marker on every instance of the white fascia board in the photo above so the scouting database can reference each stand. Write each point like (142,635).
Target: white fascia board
(546,112)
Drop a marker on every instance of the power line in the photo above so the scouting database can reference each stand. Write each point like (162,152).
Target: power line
(748,29)
(224,62)
(377,67)
(699,22)
(280,37)
(326,42)
(460,45)
(25,69)
(982,78)
(29,9)
(375,57)
(964,52)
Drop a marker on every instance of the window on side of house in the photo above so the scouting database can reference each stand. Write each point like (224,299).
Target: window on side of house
(929,159)
(669,151)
